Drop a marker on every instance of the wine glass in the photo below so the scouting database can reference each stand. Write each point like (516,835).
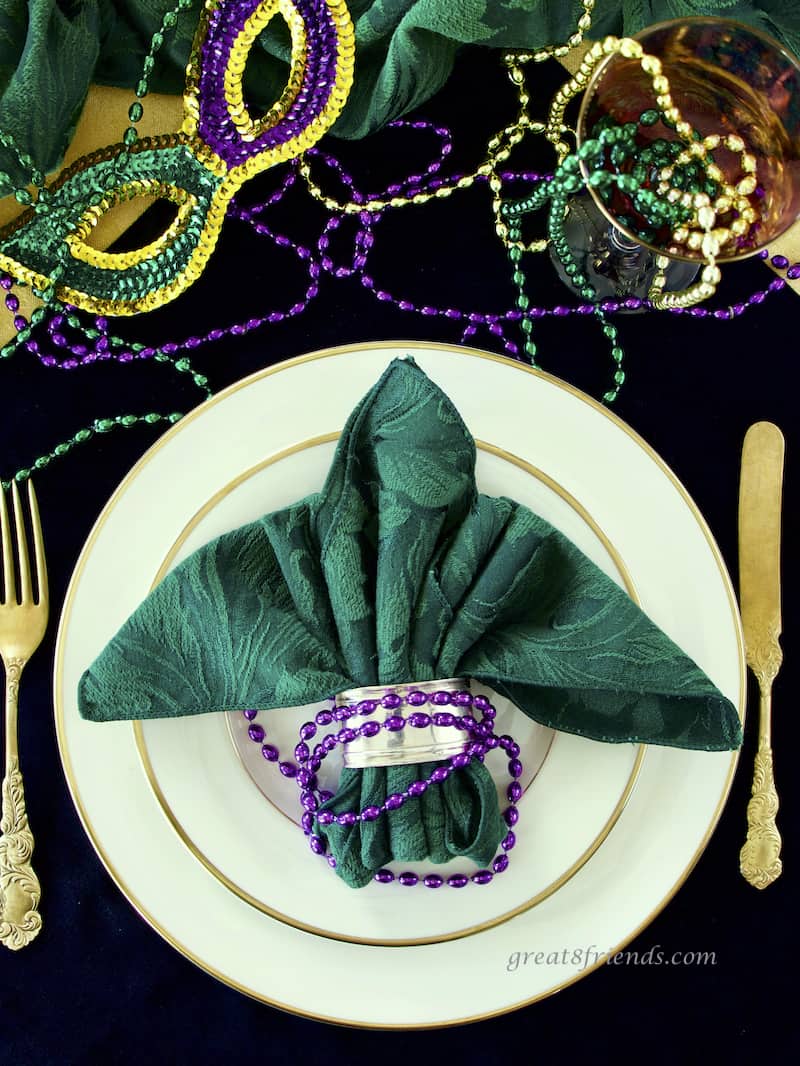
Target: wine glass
(729,81)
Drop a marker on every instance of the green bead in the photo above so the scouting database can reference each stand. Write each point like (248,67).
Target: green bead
(649,117)
(141,88)
(523,302)
(62,449)
(103,425)
(83,435)
(170,19)
(617,354)
(22,475)
(151,418)
(610,331)
(627,183)
(619,377)
(130,136)
(135,111)
(128,420)
(176,416)
(156,41)
(183,365)
(600,179)
(609,397)
(200,380)
(514,254)
(37,178)
(22,196)
(42,462)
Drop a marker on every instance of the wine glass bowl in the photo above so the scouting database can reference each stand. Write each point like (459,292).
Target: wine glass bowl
(728,80)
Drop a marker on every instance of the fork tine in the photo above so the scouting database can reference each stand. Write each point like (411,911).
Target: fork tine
(26,593)
(38,544)
(10,587)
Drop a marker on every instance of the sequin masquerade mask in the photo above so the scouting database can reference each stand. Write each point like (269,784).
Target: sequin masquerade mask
(199,169)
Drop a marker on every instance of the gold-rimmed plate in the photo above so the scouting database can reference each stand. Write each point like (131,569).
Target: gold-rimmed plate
(659,833)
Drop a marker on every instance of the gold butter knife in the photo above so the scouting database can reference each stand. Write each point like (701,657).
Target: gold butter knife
(760,491)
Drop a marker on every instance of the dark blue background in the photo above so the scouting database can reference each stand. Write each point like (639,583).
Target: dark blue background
(98,985)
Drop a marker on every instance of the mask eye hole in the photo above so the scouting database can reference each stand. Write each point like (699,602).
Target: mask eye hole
(169,204)
(242,113)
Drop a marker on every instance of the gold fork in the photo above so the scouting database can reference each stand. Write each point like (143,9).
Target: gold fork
(23,621)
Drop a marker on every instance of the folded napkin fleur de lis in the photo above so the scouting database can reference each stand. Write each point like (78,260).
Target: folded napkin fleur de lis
(400,571)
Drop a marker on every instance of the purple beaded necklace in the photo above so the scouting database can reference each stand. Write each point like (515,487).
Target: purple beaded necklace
(481,739)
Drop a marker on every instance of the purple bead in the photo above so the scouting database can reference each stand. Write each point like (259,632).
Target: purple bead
(793,272)
(514,791)
(394,723)
(500,864)
(329,743)
(306,779)
(317,845)
(476,749)
(395,801)
(369,729)
(250,715)
(391,701)
(419,719)
(347,818)
(482,877)
(433,881)
(307,822)
(509,840)
(443,718)
(366,706)
(463,699)
(307,731)
(325,795)
(779,261)
(325,817)
(417,788)
(416,698)
(458,762)
(511,816)
(308,801)
(270,752)
(384,877)
(408,879)
(441,773)
(480,702)
(301,752)
(633,303)
(323,717)
(288,769)
(331,861)
(440,698)
(345,736)
(256,732)
(314,764)
(369,814)
(457,880)
(341,714)
(515,768)
(492,742)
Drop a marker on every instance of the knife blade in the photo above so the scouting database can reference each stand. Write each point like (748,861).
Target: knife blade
(760,500)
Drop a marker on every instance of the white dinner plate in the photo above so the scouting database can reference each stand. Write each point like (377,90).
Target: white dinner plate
(224,875)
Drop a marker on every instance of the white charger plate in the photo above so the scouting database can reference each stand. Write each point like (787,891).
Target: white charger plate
(656,836)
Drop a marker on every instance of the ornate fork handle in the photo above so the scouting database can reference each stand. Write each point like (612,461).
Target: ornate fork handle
(759,859)
(20,920)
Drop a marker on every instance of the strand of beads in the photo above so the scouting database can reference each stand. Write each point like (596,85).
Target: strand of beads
(480,739)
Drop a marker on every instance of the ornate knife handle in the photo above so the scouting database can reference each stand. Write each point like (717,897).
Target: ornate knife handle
(20,920)
(759,859)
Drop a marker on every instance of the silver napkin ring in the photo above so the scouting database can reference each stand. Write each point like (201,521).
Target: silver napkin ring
(430,743)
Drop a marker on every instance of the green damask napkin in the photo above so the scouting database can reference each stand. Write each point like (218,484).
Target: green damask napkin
(399,570)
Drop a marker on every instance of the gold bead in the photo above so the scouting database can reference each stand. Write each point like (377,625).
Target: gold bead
(610,45)
(695,240)
(713,172)
(660,84)
(629,48)
(739,227)
(712,141)
(711,274)
(709,245)
(684,129)
(706,217)
(734,142)
(749,163)
(651,65)
(747,185)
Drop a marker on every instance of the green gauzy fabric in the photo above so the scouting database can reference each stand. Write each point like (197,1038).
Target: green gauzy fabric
(398,570)
(50,51)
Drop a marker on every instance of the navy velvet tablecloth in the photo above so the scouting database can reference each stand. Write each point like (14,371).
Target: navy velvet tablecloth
(98,985)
